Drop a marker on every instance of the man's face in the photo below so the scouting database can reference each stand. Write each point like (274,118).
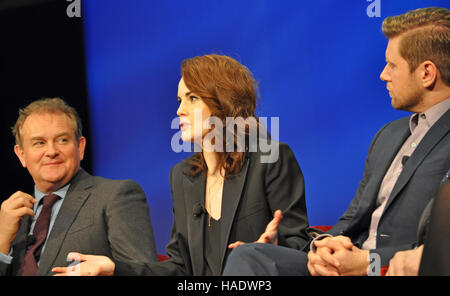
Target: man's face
(403,86)
(50,150)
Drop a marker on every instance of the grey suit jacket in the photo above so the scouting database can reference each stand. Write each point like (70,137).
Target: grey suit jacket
(248,202)
(98,217)
(415,187)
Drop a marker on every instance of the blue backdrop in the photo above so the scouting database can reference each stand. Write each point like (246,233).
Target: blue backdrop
(317,64)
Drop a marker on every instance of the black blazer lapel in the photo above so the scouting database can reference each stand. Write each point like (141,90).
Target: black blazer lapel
(74,200)
(232,191)
(433,136)
(195,191)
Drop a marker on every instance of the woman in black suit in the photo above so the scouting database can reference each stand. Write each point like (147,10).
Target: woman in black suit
(228,191)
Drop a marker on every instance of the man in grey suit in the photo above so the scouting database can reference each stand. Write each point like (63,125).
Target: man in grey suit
(406,161)
(70,209)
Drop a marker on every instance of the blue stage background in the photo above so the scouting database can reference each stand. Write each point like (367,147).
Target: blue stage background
(317,64)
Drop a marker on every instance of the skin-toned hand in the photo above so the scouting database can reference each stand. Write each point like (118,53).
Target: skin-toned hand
(352,262)
(270,234)
(12,210)
(317,266)
(322,262)
(90,265)
(405,263)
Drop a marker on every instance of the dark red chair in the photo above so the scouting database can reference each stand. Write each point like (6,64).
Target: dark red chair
(323,228)
(162,257)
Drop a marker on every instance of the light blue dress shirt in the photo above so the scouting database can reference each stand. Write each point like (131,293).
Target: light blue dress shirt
(37,210)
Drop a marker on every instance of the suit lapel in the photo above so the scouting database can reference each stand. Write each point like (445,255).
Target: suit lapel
(383,161)
(195,192)
(232,191)
(73,201)
(433,136)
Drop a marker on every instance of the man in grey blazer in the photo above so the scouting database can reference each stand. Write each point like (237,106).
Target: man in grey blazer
(70,209)
(406,161)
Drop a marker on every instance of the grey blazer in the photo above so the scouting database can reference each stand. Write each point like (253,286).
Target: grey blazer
(98,217)
(417,184)
(248,202)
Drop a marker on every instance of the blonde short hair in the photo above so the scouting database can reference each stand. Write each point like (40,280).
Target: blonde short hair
(46,105)
(425,36)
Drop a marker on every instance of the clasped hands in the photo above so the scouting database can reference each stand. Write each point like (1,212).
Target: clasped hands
(333,255)
(337,256)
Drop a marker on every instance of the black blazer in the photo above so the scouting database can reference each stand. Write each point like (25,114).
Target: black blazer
(417,184)
(248,202)
(436,256)
(424,222)
(98,217)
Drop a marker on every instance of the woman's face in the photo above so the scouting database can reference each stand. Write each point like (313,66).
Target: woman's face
(193,113)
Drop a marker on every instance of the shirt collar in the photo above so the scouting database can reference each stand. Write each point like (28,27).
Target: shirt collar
(430,116)
(61,192)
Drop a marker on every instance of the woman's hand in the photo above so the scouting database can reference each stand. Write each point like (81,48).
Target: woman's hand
(87,265)
(270,235)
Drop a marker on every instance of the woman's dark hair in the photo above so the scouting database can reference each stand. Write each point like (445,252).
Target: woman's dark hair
(229,90)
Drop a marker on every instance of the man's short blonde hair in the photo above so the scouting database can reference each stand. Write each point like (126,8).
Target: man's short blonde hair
(425,36)
(43,106)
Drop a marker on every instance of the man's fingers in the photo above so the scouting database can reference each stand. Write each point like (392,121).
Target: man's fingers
(18,200)
(23,211)
(18,203)
(327,257)
(314,258)
(334,243)
(311,269)
(325,270)
(19,195)
(317,266)
(346,241)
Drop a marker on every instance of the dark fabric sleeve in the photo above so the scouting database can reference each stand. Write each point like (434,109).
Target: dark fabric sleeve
(130,231)
(174,266)
(285,189)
